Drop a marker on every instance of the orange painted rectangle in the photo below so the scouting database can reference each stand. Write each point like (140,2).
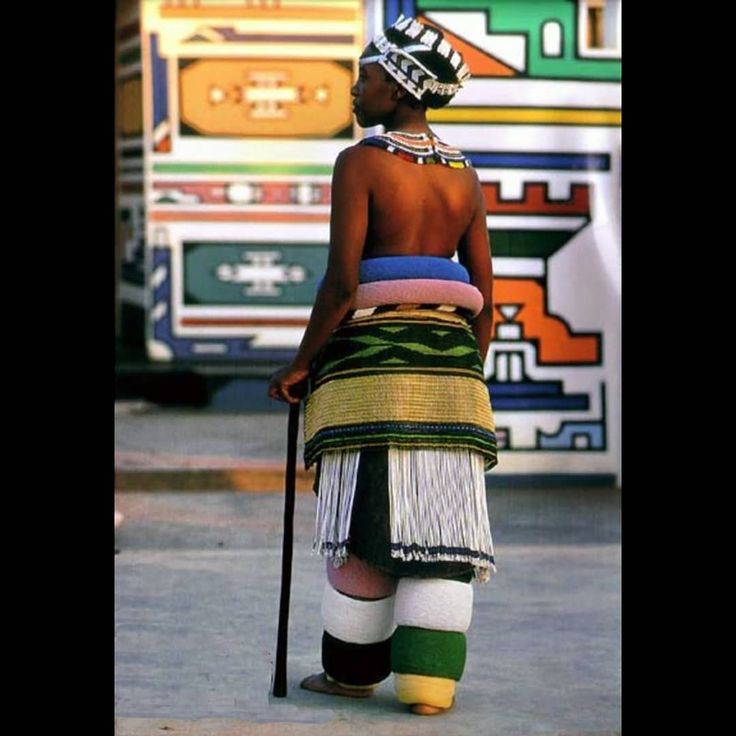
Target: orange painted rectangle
(535,201)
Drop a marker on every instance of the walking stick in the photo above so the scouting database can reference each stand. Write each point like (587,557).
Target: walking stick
(279,678)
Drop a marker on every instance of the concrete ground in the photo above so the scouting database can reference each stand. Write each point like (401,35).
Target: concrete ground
(197,595)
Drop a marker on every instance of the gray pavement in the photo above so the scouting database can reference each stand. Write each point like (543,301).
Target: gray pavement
(148,429)
(197,591)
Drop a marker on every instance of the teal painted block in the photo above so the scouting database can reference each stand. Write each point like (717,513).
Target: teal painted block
(252,273)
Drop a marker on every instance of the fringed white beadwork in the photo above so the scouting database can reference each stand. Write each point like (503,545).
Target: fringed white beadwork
(338,476)
(438,508)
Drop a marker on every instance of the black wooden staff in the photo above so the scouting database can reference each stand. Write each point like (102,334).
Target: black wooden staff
(279,678)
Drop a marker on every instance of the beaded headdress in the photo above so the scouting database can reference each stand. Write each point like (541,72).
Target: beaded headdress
(420,59)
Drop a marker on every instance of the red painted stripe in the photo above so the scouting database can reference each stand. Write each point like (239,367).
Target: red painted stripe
(208,192)
(266,192)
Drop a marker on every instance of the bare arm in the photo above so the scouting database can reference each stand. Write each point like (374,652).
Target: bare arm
(474,252)
(348,225)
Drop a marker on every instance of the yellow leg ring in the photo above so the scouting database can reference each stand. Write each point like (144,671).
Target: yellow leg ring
(436,691)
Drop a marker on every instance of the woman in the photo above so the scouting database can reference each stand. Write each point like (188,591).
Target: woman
(399,419)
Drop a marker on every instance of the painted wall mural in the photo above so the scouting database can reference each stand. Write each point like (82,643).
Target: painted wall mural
(540,119)
(246,106)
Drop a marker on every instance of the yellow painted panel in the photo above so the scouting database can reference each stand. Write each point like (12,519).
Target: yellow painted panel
(542,116)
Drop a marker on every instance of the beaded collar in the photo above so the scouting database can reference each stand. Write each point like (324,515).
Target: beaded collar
(419,148)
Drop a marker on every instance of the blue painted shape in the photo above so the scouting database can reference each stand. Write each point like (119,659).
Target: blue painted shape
(392,9)
(574,402)
(183,348)
(554,161)
(541,388)
(408,7)
(565,438)
(160,84)
(534,396)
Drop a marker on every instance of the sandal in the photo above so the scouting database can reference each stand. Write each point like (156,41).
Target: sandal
(318,683)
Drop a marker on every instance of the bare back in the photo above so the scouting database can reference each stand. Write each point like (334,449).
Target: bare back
(416,209)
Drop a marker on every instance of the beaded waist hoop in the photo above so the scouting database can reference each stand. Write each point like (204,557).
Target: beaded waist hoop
(403,371)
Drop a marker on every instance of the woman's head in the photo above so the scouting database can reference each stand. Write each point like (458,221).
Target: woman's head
(420,59)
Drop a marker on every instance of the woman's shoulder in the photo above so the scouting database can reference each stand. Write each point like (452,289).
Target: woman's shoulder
(356,155)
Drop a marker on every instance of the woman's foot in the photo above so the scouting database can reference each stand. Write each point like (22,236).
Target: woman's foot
(422,709)
(319,683)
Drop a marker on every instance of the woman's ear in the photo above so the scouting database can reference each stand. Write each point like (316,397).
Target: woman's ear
(398,92)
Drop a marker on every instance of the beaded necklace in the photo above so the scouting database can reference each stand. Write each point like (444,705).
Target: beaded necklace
(419,148)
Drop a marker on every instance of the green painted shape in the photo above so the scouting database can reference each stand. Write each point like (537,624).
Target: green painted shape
(395,328)
(203,287)
(394,361)
(441,333)
(220,168)
(527,17)
(528,243)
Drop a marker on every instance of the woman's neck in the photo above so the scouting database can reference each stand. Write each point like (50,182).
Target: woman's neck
(408,120)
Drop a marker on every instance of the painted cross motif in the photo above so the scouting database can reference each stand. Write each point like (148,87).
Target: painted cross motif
(262,273)
(267,94)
